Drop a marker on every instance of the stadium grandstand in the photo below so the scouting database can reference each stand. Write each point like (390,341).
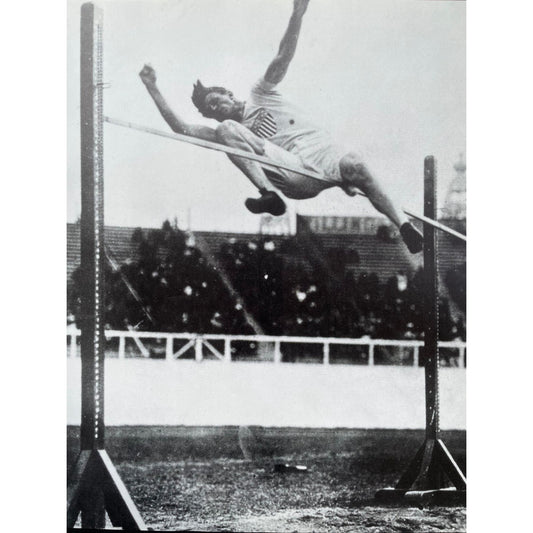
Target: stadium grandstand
(334,276)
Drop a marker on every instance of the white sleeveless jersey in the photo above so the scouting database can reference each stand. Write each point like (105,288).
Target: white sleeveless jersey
(271,117)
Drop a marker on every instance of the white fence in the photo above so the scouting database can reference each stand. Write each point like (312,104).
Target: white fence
(278,349)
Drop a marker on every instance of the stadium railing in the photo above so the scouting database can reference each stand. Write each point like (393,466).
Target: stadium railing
(276,349)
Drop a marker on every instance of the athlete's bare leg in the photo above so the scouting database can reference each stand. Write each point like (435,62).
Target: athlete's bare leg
(233,134)
(355,174)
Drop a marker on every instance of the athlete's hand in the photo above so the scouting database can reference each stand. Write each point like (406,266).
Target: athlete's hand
(299,7)
(147,75)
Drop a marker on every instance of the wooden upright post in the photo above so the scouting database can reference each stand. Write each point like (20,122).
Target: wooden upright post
(92,230)
(431,306)
(426,479)
(94,486)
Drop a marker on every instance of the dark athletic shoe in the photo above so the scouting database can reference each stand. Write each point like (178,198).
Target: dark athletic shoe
(413,239)
(269,202)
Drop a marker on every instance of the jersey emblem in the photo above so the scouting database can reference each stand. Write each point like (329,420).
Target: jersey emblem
(264,125)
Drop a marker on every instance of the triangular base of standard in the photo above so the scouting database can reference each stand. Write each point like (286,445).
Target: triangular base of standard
(94,489)
(424,481)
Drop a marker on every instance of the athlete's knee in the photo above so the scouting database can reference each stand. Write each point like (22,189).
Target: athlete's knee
(234,134)
(353,171)
(228,131)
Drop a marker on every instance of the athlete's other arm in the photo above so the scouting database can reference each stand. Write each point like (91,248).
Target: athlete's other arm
(177,124)
(278,67)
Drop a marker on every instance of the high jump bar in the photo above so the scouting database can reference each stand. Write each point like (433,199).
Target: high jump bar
(265,161)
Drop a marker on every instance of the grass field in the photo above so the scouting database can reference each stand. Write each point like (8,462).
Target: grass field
(223,478)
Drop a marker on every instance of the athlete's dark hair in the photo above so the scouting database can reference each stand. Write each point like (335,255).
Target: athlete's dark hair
(199,95)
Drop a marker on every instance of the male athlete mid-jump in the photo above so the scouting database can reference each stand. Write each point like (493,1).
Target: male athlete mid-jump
(268,125)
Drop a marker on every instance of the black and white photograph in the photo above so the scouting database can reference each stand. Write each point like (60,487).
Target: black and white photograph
(266,286)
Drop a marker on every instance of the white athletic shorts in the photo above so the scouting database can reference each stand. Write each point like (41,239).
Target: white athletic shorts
(325,162)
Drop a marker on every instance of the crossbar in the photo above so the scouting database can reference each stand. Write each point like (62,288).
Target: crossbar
(264,161)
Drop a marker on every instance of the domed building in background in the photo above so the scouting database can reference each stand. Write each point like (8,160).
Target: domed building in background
(454,210)
(455,203)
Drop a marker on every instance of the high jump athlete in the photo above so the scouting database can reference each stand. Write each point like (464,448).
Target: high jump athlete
(268,125)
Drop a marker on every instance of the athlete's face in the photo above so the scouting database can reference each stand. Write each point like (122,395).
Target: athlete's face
(222,105)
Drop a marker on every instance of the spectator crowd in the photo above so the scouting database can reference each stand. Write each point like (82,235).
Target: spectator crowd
(168,285)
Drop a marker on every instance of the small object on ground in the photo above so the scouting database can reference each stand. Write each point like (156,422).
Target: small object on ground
(285,468)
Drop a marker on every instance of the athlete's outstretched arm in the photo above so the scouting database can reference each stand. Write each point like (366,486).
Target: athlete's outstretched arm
(278,68)
(177,124)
